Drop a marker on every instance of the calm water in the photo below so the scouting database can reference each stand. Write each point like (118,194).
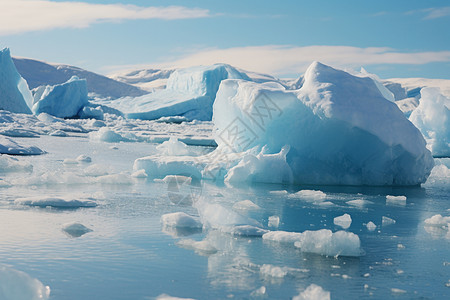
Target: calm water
(129,256)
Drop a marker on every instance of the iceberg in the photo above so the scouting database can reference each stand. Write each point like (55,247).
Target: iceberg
(17,285)
(432,117)
(15,95)
(336,129)
(189,93)
(63,100)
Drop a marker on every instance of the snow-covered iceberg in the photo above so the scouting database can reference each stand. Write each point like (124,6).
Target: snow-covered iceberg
(189,92)
(432,117)
(62,100)
(340,129)
(15,95)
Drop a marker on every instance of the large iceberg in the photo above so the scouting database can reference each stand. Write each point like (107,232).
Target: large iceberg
(340,129)
(61,100)
(336,129)
(190,93)
(432,117)
(15,95)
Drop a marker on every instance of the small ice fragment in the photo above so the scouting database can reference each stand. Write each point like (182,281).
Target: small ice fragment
(366,286)
(203,247)
(282,236)
(248,231)
(280,192)
(173,147)
(395,200)
(386,221)
(55,202)
(400,246)
(258,293)
(59,133)
(399,272)
(366,275)
(167,297)
(69,161)
(343,221)
(359,202)
(345,276)
(139,174)
(274,221)
(371,226)
(273,271)
(245,205)
(313,292)
(114,148)
(75,229)
(180,219)
(310,195)
(17,285)
(84,158)
(397,291)
(96,170)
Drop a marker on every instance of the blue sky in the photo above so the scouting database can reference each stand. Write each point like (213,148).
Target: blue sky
(401,38)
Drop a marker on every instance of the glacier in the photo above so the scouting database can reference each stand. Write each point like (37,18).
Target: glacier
(189,93)
(337,129)
(62,100)
(15,95)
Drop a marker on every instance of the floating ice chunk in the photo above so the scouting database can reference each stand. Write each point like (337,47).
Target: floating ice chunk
(96,170)
(70,161)
(245,205)
(173,147)
(139,174)
(105,134)
(343,221)
(167,297)
(121,178)
(89,112)
(217,216)
(432,118)
(84,158)
(259,293)
(359,202)
(17,285)
(282,236)
(395,200)
(247,231)
(310,195)
(280,192)
(371,226)
(437,221)
(273,271)
(386,221)
(327,243)
(179,179)
(9,146)
(18,132)
(11,164)
(313,292)
(180,219)
(203,247)
(274,221)
(75,229)
(62,100)
(42,201)
(15,96)
(59,133)
(397,291)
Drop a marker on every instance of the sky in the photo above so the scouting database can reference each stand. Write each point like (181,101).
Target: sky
(394,38)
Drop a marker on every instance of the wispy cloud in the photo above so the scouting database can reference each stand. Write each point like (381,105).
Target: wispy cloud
(18,16)
(435,13)
(284,59)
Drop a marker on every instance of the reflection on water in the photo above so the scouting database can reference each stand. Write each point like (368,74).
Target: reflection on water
(128,255)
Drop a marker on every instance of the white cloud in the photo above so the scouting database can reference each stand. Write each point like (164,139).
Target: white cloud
(435,13)
(284,59)
(17,16)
